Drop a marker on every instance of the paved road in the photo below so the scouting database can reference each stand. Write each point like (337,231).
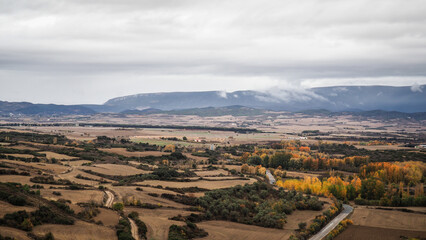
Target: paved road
(134,229)
(110,199)
(270,177)
(331,225)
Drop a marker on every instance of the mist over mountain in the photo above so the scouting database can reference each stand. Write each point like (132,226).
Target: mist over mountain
(335,99)
(345,98)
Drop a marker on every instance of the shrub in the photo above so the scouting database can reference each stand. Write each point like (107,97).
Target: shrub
(118,206)
(189,231)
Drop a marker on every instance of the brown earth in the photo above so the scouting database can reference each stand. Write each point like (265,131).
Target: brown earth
(23,147)
(124,152)
(14,233)
(157,221)
(80,230)
(108,217)
(389,219)
(221,230)
(114,169)
(57,156)
(75,196)
(129,192)
(374,233)
(53,168)
(211,173)
(6,208)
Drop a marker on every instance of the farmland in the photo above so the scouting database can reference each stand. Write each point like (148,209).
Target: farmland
(212,184)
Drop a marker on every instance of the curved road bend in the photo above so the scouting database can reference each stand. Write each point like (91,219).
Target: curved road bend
(110,199)
(331,225)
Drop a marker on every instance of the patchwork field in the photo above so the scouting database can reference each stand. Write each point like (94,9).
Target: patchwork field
(114,169)
(221,230)
(80,230)
(47,167)
(389,219)
(75,196)
(375,233)
(183,175)
(14,233)
(211,173)
(157,221)
(57,156)
(9,208)
(144,197)
(124,152)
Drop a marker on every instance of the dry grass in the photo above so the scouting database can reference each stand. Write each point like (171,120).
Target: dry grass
(300,216)
(57,156)
(80,230)
(211,173)
(6,208)
(51,145)
(74,162)
(221,230)
(23,147)
(14,233)
(130,192)
(20,155)
(374,233)
(389,219)
(75,196)
(114,169)
(301,174)
(15,178)
(200,184)
(53,168)
(108,217)
(124,152)
(157,221)
(72,177)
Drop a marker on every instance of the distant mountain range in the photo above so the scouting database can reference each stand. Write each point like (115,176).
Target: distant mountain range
(345,98)
(213,103)
(43,109)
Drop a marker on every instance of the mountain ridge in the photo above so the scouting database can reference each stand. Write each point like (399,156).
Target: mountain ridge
(333,99)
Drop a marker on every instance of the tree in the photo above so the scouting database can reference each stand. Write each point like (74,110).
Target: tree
(255,160)
(265,161)
(27,225)
(280,159)
(302,225)
(372,189)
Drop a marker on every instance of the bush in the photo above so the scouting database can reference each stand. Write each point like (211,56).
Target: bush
(189,231)
(16,200)
(118,206)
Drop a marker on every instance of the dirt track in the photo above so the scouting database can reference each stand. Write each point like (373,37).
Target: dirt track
(134,227)
(110,199)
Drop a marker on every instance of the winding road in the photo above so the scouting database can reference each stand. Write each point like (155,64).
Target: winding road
(134,229)
(331,225)
(110,199)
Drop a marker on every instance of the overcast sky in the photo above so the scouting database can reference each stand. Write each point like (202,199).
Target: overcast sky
(86,51)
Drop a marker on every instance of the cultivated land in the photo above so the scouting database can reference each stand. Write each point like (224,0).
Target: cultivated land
(159,175)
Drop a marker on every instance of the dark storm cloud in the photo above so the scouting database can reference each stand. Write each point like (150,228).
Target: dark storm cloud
(89,51)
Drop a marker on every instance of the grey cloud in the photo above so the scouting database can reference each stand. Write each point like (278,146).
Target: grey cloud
(208,45)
